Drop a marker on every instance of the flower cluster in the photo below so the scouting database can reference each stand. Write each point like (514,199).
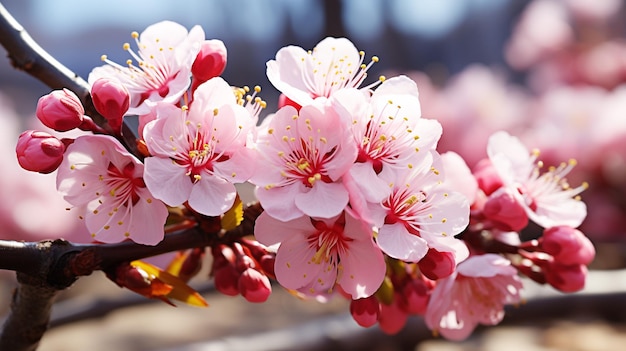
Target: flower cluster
(357,201)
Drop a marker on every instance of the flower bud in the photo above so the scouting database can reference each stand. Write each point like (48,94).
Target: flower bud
(566,278)
(192,264)
(60,110)
(226,279)
(254,286)
(366,311)
(209,63)
(437,265)
(392,317)
(39,151)
(111,99)
(567,245)
(416,294)
(487,176)
(507,214)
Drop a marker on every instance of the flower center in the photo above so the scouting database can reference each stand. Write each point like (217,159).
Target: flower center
(336,73)
(329,242)
(150,73)
(124,186)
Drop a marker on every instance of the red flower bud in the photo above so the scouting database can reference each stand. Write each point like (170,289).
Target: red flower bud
(416,295)
(567,245)
(365,312)
(209,63)
(566,278)
(39,151)
(111,99)
(436,265)
(507,214)
(254,286)
(226,279)
(392,317)
(60,110)
(487,177)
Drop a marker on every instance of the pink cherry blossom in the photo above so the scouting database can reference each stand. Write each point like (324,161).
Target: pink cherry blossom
(332,65)
(388,131)
(420,214)
(199,151)
(547,197)
(162,71)
(475,293)
(316,254)
(104,182)
(304,156)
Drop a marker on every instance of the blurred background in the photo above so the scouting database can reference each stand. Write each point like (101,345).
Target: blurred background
(551,72)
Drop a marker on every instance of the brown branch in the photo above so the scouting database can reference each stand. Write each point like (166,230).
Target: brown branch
(47,267)
(30,314)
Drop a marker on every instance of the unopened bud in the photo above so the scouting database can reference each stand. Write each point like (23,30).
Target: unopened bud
(392,317)
(567,245)
(192,264)
(226,279)
(437,265)
(254,286)
(566,278)
(209,63)
(505,211)
(487,176)
(60,110)
(415,294)
(39,151)
(366,311)
(111,99)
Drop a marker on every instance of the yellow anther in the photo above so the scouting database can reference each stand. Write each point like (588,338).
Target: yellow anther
(126,46)
(215,112)
(134,35)
(103,57)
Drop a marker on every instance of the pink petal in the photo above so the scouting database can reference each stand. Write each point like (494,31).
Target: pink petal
(149,219)
(212,196)
(363,268)
(279,202)
(487,265)
(374,189)
(269,231)
(398,243)
(293,269)
(285,74)
(166,181)
(323,200)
